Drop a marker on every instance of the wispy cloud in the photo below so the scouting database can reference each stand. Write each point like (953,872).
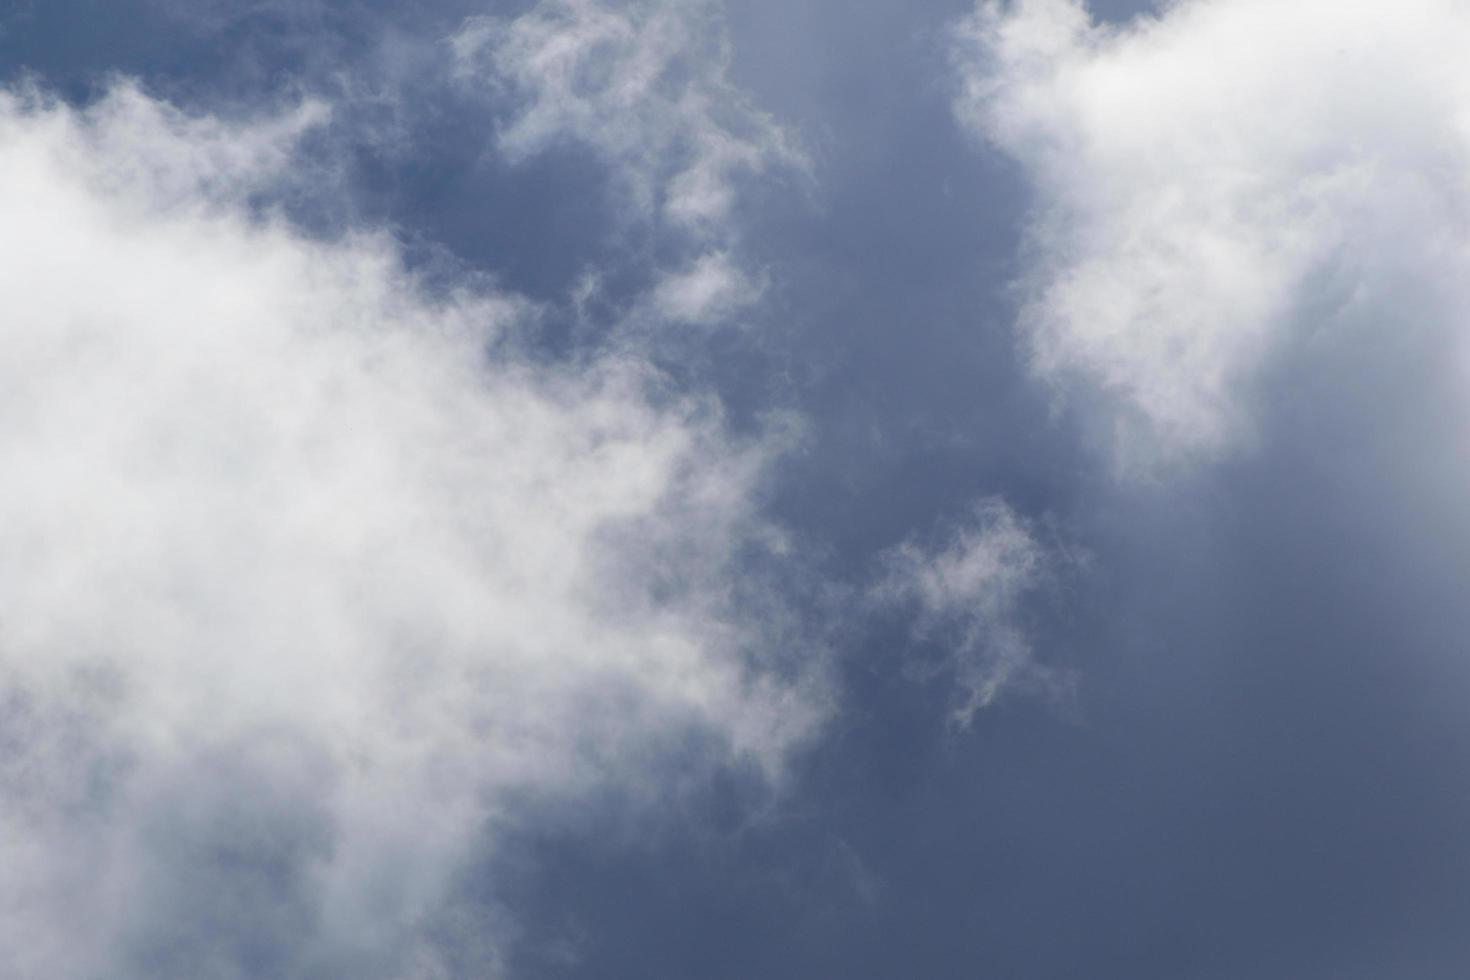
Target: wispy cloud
(643,84)
(708,289)
(968,589)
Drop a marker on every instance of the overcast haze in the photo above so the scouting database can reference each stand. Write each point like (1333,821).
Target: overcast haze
(673,489)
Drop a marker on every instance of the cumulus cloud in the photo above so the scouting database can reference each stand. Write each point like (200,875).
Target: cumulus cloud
(1222,186)
(310,578)
(967,590)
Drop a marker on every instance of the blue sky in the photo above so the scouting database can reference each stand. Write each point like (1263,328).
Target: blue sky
(680,488)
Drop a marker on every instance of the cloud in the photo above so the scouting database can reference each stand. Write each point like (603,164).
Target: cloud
(311,578)
(644,84)
(968,590)
(1220,189)
(707,290)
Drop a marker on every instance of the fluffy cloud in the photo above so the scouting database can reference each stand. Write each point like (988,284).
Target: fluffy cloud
(309,576)
(968,590)
(1223,186)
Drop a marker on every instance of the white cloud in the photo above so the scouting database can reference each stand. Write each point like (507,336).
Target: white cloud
(968,590)
(307,576)
(1221,185)
(644,84)
(707,290)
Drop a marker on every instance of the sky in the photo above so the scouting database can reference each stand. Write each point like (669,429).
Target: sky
(674,489)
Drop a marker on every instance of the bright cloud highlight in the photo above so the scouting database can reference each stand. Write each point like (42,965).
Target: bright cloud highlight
(1220,187)
(311,577)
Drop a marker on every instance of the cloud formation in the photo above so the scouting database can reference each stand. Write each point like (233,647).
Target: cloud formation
(1221,188)
(312,576)
(644,85)
(967,590)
